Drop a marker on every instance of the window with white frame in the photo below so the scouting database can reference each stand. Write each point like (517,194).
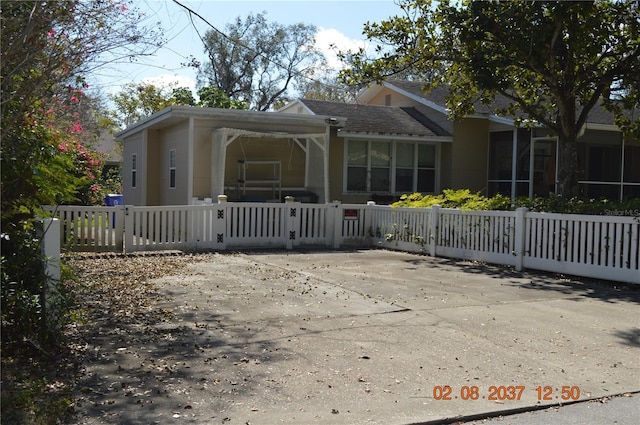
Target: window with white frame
(390,167)
(172,168)
(134,169)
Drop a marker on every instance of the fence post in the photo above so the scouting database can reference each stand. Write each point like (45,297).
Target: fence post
(50,246)
(368,219)
(220,223)
(520,237)
(119,227)
(434,229)
(291,221)
(336,218)
(129,230)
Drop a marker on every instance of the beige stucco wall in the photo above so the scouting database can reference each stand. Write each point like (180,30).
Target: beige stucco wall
(153,171)
(160,144)
(202,161)
(133,145)
(336,167)
(469,155)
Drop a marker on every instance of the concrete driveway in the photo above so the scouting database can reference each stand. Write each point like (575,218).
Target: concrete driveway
(365,337)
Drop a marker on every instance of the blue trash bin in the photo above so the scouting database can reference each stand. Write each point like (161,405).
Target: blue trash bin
(113,200)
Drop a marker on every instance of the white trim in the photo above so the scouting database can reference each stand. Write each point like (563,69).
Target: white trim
(297,102)
(392,190)
(419,99)
(394,137)
(281,120)
(444,110)
(603,127)
(237,132)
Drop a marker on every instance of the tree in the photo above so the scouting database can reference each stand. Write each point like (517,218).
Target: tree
(327,88)
(137,101)
(213,97)
(47,50)
(257,62)
(555,61)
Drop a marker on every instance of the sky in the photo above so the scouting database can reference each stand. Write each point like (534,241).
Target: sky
(338,22)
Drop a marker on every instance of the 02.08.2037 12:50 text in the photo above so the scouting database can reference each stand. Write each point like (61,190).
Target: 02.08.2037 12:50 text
(505,392)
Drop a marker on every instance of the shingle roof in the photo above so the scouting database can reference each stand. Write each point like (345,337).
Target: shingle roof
(438,95)
(378,119)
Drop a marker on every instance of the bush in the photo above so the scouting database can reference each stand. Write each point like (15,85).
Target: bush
(450,198)
(464,199)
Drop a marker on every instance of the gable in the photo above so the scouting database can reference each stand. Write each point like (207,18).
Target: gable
(436,98)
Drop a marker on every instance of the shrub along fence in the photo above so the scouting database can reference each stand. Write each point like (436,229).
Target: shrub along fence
(604,247)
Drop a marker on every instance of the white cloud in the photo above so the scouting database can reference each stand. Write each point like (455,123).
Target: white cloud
(166,80)
(328,37)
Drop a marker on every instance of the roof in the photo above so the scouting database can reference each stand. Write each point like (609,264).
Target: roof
(437,96)
(287,123)
(375,119)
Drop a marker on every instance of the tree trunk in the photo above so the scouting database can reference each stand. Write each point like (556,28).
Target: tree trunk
(569,172)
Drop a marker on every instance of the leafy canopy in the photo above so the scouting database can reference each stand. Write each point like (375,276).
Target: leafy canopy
(136,101)
(553,61)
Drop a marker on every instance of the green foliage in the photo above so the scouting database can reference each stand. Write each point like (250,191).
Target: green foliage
(450,198)
(213,97)
(47,47)
(560,204)
(22,285)
(552,61)
(464,199)
(136,102)
(183,96)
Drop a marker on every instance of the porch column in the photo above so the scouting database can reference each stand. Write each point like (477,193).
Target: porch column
(218,160)
(190,160)
(327,137)
(514,163)
(143,174)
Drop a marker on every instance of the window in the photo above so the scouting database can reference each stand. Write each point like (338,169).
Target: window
(380,164)
(371,167)
(134,170)
(357,165)
(501,163)
(172,168)
(405,170)
(426,169)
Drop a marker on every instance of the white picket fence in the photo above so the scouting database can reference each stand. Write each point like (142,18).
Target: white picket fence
(605,247)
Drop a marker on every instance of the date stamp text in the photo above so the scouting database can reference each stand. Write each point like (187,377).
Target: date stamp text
(506,392)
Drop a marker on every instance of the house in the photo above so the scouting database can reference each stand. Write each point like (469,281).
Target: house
(182,154)
(322,152)
(490,154)
(394,140)
(381,151)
